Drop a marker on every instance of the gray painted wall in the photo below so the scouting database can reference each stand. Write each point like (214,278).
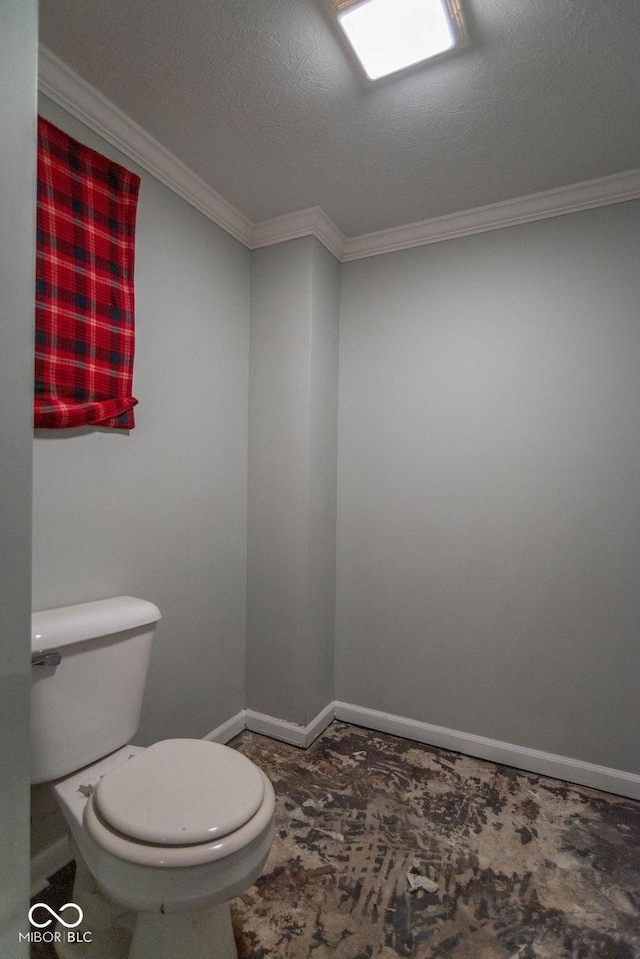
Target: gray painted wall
(18,66)
(292,477)
(488,508)
(323,456)
(489,485)
(161,513)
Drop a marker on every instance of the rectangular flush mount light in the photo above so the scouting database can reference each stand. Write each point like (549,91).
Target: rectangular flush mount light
(390,35)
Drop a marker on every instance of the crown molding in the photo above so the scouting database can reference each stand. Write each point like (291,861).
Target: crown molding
(497,216)
(57,81)
(311,222)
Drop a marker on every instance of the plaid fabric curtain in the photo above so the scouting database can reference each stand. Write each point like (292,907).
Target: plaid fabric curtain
(84,286)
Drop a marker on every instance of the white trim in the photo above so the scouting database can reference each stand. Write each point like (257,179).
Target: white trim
(617,781)
(278,729)
(229,730)
(320,723)
(286,732)
(537,761)
(311,222)
(48,861)
(272,727)
(532,760)
(497,216)
(57,81)
(84,102)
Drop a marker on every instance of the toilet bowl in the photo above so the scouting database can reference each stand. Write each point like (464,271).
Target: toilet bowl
(163,836)
(160,879)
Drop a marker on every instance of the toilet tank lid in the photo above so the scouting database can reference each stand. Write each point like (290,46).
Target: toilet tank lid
(66,625)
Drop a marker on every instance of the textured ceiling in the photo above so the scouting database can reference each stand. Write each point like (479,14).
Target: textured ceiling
(260,99)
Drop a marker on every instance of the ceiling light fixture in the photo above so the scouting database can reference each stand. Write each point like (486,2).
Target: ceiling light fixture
(391,35)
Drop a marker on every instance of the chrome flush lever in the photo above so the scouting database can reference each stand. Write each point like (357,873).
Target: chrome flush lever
(51,659)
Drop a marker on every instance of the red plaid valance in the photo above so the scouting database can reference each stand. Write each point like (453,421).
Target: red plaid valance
(84,286)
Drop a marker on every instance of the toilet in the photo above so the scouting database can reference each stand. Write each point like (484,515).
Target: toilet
(164,836)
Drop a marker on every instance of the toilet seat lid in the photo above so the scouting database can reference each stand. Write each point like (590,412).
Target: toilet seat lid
(179,792)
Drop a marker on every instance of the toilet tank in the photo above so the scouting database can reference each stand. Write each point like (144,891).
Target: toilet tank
(89,668)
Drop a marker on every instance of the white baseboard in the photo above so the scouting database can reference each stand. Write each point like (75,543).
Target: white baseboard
(279,729)
(320,723)
(531,760)
(48,861)
(274,728)
(616,781)
(287,732)
(233,727)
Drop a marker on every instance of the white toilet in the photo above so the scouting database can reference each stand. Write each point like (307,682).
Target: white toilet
(164,836)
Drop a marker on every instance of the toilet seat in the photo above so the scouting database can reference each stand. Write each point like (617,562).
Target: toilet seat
(180,792)
(146,853)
